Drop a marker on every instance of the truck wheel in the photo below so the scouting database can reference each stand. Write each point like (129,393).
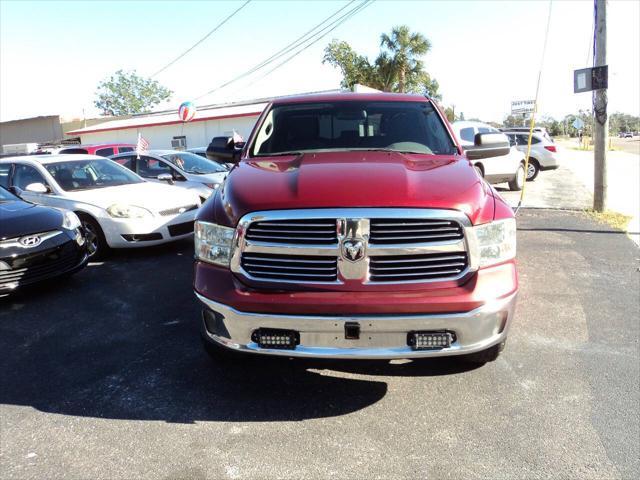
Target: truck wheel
(533,169)
(485,356)
(517,183)
(96,243)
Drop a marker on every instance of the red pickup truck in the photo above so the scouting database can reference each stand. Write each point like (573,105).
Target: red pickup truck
(354,226)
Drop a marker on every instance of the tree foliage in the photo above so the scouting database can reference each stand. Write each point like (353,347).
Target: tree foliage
(397,68)
(126,93)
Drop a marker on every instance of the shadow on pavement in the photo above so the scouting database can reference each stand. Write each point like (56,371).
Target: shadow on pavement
(120,340)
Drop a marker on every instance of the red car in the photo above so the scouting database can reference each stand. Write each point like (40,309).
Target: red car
(355,226)
(101,149)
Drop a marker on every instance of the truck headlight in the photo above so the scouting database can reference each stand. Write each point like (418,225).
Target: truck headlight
(119,210)
(495,242)
(213,243)
(70,220)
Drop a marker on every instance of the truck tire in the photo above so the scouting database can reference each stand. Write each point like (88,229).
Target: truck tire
(485,356)
(517,183)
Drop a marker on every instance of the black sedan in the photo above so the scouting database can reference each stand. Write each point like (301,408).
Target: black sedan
(37,243)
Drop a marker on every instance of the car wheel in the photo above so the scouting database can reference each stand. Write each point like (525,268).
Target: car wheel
(485,356)
(532,170)
(518,181)
(96,244)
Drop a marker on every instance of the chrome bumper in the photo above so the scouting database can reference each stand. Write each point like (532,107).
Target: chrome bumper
(381,336)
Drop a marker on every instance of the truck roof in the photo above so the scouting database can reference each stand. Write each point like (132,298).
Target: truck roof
(351,96)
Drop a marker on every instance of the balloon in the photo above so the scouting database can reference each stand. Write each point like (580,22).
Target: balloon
(187,111)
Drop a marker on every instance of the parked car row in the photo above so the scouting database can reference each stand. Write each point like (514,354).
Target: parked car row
(116,207)
(125,200)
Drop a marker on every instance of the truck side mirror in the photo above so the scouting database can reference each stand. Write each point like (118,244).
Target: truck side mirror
(224,150)
(487,145)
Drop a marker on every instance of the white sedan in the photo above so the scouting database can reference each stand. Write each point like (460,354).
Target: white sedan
(117,207)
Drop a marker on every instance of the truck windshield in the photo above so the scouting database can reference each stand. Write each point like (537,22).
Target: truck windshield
(413,127)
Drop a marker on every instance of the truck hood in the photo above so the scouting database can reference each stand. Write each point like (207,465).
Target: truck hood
(351,179)
(149,195)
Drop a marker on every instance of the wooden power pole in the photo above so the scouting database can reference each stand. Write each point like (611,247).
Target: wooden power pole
(601,122)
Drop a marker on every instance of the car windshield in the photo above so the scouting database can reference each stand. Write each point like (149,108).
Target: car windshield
(6,196)
(413,127)
(90,174)
(192,163)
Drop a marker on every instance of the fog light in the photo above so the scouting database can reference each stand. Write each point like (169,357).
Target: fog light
(276,338)
(430,340)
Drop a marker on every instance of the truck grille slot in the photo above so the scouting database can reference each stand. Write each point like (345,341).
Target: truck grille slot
(417,267)
(404,231)
(274,267)
(306,232)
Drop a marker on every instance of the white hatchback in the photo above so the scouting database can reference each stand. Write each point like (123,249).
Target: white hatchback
(117,207)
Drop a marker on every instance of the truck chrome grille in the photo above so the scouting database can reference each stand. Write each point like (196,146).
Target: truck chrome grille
(290,267)
(350,246)
(417,267)
(321,232)
(413,230)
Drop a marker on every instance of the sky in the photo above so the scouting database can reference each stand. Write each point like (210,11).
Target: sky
(484,54)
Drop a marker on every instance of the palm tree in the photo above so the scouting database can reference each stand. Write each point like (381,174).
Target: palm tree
(403,47)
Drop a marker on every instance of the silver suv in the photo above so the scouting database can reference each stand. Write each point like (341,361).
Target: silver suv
(543,154)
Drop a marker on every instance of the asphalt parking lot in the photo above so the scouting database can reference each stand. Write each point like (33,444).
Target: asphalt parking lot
(103,377)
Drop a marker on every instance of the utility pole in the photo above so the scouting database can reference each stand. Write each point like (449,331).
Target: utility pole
(601,123)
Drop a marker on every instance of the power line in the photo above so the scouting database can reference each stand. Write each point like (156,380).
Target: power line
(357,10)
(291,46)
(201,40)
(298,41)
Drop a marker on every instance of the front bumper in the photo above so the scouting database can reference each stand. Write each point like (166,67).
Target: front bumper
(127,232)
(381,336)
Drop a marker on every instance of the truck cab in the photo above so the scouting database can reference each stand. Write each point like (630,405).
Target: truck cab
(355,226)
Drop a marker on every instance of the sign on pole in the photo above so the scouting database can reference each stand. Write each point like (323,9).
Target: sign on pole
(588,79)
(578,124)
(522,106)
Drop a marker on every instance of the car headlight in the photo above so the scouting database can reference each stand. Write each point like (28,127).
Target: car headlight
(70,220)
(119,210)
(213,243)
(495,242)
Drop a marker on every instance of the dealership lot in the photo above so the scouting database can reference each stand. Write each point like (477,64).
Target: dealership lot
(103,376)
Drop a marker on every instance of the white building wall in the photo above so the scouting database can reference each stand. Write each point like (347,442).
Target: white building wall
(198,134)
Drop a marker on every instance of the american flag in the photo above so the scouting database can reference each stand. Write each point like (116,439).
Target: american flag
(143,146)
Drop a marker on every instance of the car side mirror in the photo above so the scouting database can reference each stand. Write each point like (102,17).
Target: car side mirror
(37,188)
(166,177)
(487,145)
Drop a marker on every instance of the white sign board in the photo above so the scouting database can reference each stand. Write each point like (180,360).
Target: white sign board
(522,106)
